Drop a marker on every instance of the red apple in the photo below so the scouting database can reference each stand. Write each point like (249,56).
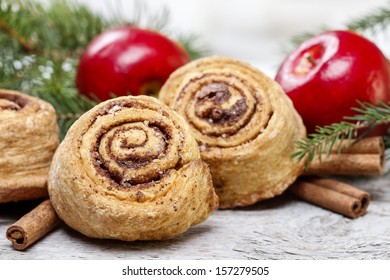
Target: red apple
(127,60)
(328,73)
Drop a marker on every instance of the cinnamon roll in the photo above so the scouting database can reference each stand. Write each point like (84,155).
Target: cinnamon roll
(28,139)
(244,123)
(129,169)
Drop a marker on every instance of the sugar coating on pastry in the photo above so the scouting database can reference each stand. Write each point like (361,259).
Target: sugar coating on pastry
(246,127)
(129,169)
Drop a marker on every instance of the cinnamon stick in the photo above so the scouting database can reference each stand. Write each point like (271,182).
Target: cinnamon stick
(333,195)
(368,145)
(365,157)
(33,226)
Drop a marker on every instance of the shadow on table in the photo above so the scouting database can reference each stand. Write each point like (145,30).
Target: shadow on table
(13,211)
(118,246)
(150,247)
(269,204)
(153,249)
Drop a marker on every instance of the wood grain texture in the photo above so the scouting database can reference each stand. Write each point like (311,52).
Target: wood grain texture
(281,228)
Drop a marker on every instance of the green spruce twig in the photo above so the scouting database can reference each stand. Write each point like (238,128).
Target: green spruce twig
(368,117)
(193,45)
(26,45)
(377,20)
(41,45)
(322,142)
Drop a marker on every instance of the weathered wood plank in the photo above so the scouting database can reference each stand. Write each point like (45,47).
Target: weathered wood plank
(281,228)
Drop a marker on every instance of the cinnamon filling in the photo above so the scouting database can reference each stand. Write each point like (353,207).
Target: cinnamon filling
(213,104)
(129,159)
(8,105)
(9,101)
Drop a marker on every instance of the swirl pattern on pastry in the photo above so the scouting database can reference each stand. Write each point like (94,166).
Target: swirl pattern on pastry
(28,139)
(129,169)
(244,123)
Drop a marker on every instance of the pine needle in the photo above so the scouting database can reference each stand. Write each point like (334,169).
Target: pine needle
(369,116)
(373,22)
(41,46)
(193,46)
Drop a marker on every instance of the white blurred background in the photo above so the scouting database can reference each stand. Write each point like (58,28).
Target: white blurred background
(255,31)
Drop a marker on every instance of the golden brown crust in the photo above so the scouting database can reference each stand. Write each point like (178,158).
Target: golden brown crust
(129,169)
(244,123)
(28,139)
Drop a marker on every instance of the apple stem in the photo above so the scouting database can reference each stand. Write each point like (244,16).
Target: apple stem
(311,59)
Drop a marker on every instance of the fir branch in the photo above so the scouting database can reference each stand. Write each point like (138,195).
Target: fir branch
(325,138)
(378,19)
(41,45)
(57,87)
(26,45)
(193,46)
(63,26)
(144,17)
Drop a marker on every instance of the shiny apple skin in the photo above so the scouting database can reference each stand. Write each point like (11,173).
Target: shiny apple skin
(127,60)
(347,67)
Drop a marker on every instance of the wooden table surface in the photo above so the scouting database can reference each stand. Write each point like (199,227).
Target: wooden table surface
(280,228)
